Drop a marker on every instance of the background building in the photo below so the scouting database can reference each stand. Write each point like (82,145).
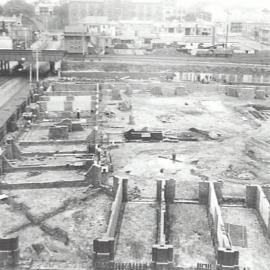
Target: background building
(76,39)
(45,7)
(145,10)
(79,9)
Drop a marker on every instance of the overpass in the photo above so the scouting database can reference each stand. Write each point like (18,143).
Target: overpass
(30,55)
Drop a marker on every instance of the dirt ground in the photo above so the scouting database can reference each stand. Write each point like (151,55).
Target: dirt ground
(224,159)
(10,220)
(52,148)
(44,201)
(36,176)
(256,255)
(137,234)
(190,235)
(64,222)
(55,160)
(34,135)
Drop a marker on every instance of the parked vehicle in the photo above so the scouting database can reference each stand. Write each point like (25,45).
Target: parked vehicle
(133,135)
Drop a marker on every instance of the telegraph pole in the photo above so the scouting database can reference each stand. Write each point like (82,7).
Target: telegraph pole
(37,66)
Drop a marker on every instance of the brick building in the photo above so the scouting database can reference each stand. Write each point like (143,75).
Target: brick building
(76,39)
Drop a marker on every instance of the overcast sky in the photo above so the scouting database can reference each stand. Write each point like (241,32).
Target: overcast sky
(229,3)
(226,3)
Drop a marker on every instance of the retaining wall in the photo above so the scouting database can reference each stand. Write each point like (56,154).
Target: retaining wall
(120,197)
(104,248)
(162,252)
(227,256)
(256,197)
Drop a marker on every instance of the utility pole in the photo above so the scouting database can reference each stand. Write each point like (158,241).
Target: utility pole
(37,66)
(227,35)
(213,35)
(30,73)
(83,51)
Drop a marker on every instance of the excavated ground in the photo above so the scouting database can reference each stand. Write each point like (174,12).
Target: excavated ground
(60,223)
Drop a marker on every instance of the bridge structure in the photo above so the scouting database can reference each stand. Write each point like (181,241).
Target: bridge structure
(30,56)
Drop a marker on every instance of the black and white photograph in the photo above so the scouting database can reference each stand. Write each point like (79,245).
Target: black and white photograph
(134,135)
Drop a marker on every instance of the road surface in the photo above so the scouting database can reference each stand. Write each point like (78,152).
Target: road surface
(10,88)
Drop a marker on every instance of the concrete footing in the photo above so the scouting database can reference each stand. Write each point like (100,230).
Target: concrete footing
(162,257)
(103,249)
(9,252)
(227,259)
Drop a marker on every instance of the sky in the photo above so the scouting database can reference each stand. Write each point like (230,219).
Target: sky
(223,3)
(230,3)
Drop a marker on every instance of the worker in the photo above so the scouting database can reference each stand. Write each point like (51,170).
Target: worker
(161,174)
(78,113)
(173,156)
(98,152)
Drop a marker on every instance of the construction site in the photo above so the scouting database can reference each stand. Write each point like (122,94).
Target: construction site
(137,165)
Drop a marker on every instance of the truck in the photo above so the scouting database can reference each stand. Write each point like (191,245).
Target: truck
(214,52)
(143,135)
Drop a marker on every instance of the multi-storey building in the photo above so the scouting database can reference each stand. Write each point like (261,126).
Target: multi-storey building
(45,7)
(257,31)
(144,10)
(7,23)
(79,9)
(21,36)
(76,39)
(264,35)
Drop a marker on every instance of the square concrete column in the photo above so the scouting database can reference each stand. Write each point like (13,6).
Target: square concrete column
(116,181)
(162,257)
(251,196)
(159,190)
(170,191)
(93,175)
(9,252)
(203,192)
(228,259)
(218,189)
(103,249)
(125,189)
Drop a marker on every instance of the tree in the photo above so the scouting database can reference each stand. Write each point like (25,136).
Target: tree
(17,7)
(61,14)
(1,10)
